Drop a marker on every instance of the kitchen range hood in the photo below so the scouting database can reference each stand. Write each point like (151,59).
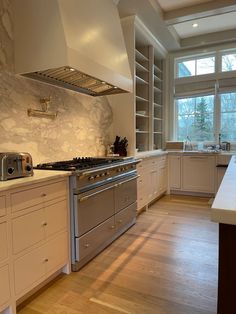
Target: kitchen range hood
(75,44)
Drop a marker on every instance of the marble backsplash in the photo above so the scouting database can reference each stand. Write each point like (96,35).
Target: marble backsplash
(83,124)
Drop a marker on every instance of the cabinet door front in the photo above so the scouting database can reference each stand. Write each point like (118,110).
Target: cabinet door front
(3,241)
(55,217)
(175,172)
(125,193)
(199,173)
(2,205)
(4,285)
(28,230)
(56,253)
(29,269)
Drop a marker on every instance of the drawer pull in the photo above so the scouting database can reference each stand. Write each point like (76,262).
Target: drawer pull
(84,198)
(43,194)
(44,224)
(112,227)
(87,245)
(46,260)
(120,221)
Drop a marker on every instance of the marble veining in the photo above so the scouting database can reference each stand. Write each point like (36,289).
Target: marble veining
(82,127)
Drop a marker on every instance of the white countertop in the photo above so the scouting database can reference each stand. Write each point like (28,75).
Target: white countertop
(224,205)
(39,176)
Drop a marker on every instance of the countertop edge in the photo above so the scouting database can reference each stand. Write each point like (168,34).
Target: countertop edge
(223,209)
(38,177)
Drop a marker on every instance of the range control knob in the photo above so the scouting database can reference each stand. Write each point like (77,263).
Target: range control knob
(102,174)
(28,168)
(91,178)
(119,170)
(10,170)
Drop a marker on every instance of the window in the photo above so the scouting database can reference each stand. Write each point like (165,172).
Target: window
(195,118)
(205,105)
(228,116)
(228,62)
(199,66)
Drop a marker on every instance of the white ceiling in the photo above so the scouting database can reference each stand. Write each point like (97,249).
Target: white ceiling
(171,20)
(206,25)
(168,5)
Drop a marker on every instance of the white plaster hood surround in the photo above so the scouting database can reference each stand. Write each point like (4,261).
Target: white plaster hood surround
(75,44)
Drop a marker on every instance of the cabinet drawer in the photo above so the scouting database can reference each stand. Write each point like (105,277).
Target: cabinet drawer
(57,253)
(4,285)
(125,193)
(28,230)
(2,205)
(3,241)
(95,238)
(125,216)
(30,197)
(29,269)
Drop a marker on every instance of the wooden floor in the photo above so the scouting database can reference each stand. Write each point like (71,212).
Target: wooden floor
(165,264)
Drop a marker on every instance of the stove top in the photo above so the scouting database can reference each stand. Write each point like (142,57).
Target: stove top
(79,163)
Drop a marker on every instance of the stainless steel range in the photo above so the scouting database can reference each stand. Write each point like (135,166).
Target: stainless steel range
(103,195)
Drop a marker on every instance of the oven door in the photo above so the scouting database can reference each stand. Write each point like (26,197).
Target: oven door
(93,207)
(125,193)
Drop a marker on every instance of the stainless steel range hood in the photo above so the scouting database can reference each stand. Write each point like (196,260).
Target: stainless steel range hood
(75,44)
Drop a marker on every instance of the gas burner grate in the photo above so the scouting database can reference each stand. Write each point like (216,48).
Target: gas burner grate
(77,163)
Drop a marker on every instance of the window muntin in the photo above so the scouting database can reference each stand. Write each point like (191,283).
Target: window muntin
(193,67)
(228,116)
(228,62)
(195,118)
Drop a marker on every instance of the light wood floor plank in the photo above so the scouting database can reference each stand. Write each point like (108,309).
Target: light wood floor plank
(165,264)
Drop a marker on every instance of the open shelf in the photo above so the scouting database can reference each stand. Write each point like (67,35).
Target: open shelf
(141,81)
(139,56)
(140,67)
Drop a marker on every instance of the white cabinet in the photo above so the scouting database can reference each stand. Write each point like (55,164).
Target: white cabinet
(198,174)
(139,115)
(40,241)
(152,182)
(174,172)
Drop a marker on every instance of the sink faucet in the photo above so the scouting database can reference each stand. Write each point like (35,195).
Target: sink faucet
(219,140)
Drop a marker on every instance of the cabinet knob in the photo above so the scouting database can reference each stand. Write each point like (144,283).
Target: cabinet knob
(43,194)
(44,223)
(120,221)
(87,245)
(46,260)
(112,227)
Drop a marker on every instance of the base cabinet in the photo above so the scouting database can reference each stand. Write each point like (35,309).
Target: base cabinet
(34,240)
(152,180)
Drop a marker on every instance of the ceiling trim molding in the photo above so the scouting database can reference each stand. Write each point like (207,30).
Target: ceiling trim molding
(199,11)
(208,39)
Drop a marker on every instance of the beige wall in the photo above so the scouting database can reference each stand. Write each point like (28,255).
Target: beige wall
(83,125)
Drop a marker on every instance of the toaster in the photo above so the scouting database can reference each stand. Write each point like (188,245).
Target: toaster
(15,165)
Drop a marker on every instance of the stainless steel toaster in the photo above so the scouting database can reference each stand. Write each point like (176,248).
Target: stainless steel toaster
(15,165)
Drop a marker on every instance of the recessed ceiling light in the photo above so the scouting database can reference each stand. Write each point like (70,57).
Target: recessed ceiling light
(195,25)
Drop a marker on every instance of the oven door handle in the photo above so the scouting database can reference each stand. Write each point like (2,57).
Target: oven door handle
(84,198)
(131,179)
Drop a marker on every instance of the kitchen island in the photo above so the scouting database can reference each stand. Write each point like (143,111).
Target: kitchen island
(224,213)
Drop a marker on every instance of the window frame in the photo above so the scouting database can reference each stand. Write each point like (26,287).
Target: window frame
(175,58)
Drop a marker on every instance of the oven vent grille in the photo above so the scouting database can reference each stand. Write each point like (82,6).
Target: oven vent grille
(73,79)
